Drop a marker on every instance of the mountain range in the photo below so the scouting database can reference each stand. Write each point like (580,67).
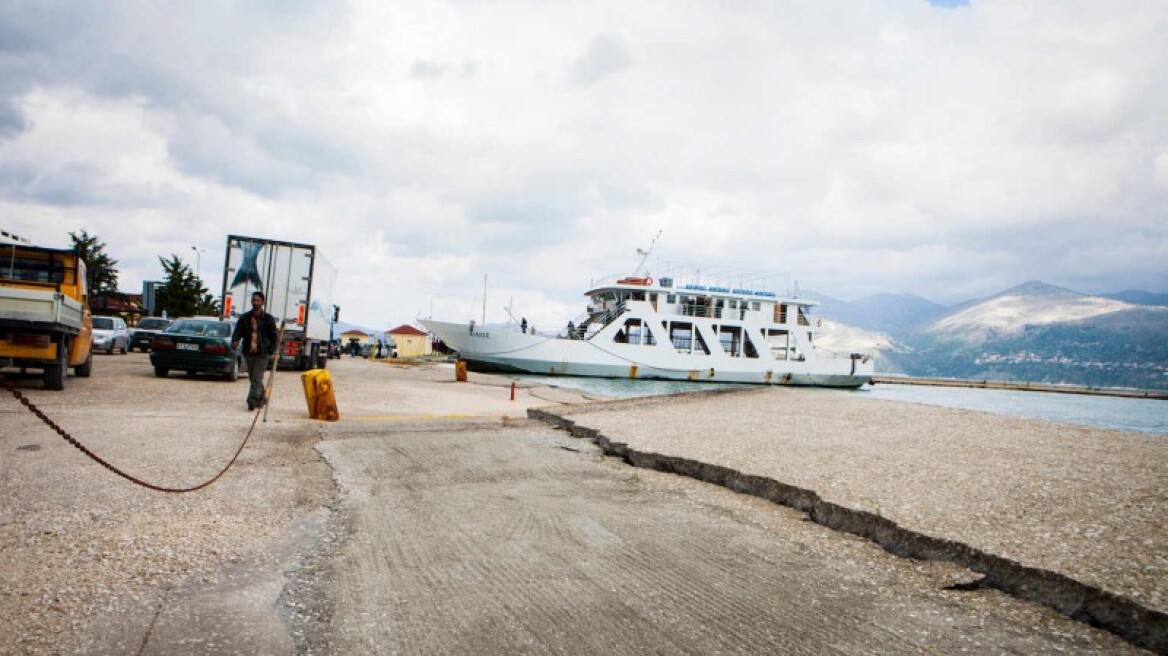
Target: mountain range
(1035,332)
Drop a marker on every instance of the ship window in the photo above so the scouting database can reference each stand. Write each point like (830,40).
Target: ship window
(748,348)
(730,338)
(700,344)
(681,334)
(781,313)
(671,298)
(694,306)
(803,321)
(754,305)
(635,332)
(733,304)
(779,343)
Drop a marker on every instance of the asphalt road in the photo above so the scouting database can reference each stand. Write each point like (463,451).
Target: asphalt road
(434,519)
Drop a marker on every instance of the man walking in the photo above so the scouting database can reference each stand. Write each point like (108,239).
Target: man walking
(256,331)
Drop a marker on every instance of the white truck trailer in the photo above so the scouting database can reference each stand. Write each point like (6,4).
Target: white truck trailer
(298,283)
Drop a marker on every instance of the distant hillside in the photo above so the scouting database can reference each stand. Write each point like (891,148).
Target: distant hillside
(884,313)
(1127,348)
(841,338)
(1036,331)
(1138,297)
(1010,312)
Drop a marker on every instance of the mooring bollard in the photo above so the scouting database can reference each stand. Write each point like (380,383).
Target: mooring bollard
(460,371)
(319,394)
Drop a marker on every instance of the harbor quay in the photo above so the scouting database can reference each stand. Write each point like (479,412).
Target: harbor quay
(1067,516)
(439,517)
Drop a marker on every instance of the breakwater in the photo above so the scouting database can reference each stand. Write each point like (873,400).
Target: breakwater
(1022,386)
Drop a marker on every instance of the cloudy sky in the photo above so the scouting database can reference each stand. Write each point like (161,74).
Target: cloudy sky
(945,149)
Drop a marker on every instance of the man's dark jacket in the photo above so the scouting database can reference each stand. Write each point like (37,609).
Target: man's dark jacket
(269,333)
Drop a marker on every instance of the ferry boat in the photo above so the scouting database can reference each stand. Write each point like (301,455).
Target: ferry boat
(636,326)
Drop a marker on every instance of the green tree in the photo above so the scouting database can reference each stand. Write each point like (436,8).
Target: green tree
(182,294)
(208,305)
(100,269)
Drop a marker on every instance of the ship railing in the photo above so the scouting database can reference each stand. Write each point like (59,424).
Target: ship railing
(699,310)
(596,322)
(577,328)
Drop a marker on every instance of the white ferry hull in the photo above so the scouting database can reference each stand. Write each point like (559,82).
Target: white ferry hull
(498,349)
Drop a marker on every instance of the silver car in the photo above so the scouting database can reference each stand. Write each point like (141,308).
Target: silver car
(110,334)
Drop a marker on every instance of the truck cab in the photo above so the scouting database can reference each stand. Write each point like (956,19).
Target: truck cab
(45,321)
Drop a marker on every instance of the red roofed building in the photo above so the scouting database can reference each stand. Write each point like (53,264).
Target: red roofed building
(410,342)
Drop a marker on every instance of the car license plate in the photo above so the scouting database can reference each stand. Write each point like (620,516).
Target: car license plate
(188,347)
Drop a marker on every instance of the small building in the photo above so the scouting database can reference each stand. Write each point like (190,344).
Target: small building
(354,336)
(411,342)
(118,304)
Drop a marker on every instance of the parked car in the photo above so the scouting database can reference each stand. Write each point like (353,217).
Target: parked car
(146,330)
(196,345)
(111,334)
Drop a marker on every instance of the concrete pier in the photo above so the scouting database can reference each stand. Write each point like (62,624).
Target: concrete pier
(1023,386)
(436,518)
(1066,516)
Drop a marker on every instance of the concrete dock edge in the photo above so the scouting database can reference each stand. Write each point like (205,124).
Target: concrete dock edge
(1139,625)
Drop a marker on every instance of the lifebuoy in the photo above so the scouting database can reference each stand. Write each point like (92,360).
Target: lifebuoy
(649,281)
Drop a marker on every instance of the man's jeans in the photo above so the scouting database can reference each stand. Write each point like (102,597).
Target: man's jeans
(257,365)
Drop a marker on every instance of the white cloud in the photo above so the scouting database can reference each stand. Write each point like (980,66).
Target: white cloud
(900,147)
(605,56)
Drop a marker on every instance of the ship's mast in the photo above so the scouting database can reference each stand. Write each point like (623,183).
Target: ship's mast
(645,255)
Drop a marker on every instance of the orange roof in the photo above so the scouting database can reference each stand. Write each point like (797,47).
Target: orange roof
(406,329)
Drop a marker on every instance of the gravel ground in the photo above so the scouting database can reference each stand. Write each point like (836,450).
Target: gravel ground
(83,552)
(79,543)
(1085,502)
(90,563)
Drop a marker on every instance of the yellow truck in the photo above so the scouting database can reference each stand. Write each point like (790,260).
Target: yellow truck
(44,312)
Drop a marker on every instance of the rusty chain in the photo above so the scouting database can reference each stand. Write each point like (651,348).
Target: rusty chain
(6,384)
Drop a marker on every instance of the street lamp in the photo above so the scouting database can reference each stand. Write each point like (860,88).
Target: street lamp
(198,261)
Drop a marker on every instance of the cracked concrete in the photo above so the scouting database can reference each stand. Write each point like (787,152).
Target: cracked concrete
(436,518)
(982,491)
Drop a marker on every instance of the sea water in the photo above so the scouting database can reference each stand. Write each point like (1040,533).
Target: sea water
(1119,413)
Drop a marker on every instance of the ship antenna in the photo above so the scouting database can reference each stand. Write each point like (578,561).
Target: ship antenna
(645,254)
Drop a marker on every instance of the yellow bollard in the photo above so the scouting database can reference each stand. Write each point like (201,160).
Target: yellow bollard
(319,393)
(460,371)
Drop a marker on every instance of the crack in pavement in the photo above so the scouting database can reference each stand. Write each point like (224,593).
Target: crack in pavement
(1120,615)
